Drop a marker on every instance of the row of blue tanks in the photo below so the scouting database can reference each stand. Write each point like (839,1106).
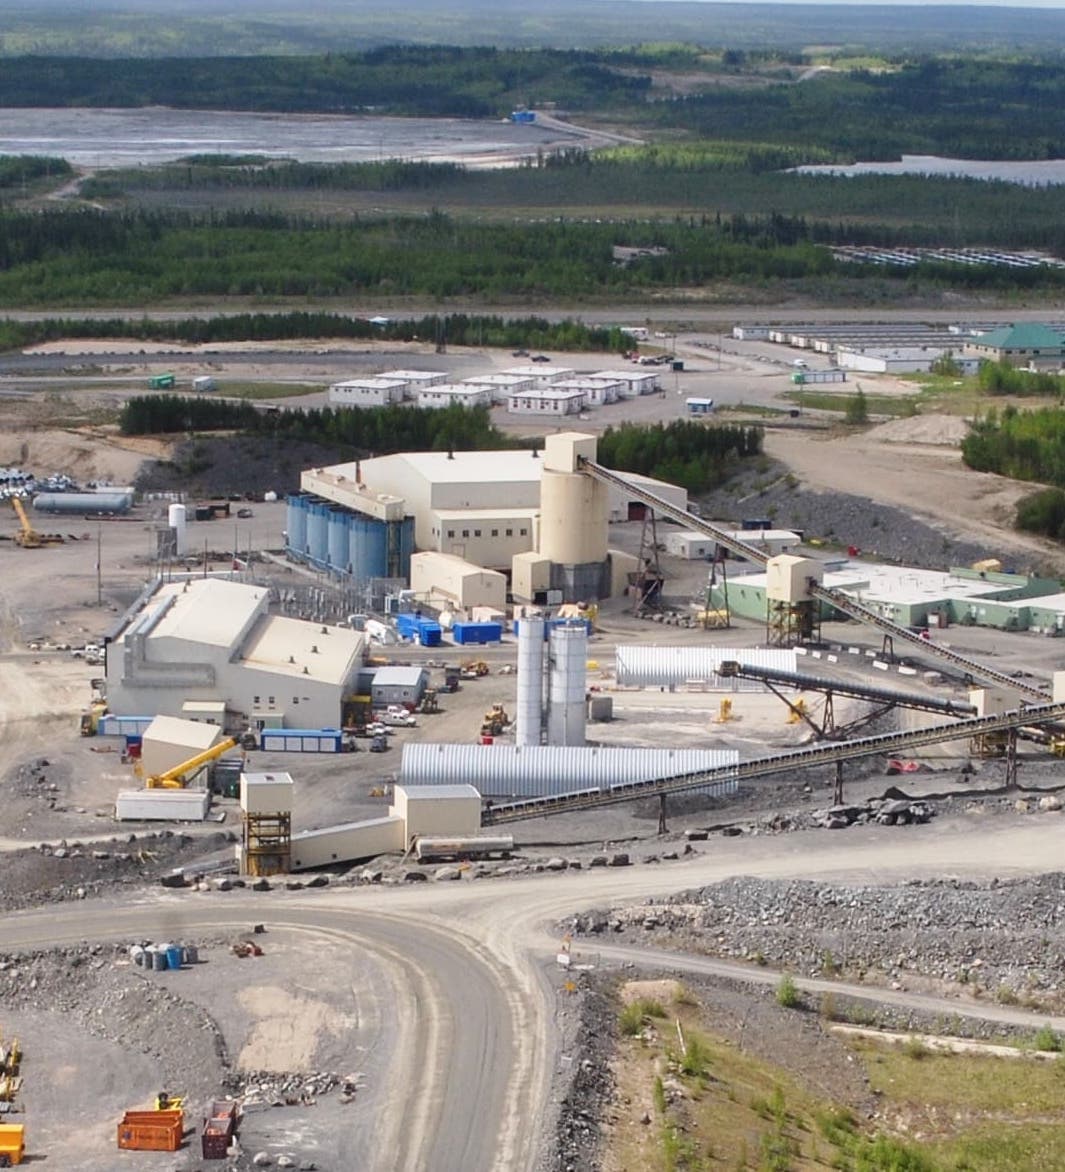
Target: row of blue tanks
(333,538)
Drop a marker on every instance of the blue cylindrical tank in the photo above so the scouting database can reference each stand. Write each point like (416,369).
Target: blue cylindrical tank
(318,532)
(296,524)
(338,539)
(82,502)
(368,548)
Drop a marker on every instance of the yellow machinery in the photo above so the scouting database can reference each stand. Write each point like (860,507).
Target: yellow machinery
(796,711)
(495,720)
(724,712)
(90,721)
(166,1102)
(429,702)
(473,669)
(176,777)
(28,537)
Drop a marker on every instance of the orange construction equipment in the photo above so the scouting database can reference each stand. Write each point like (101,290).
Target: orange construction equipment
(176,777)
(12,1144)
(151,1131)
(27,536)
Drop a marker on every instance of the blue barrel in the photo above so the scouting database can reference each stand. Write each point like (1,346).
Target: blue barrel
(296,524)
(173,957)
(338,540)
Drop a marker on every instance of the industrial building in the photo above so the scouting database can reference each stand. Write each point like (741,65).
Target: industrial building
(449,583)
(530,516)
(211,640)
(1029,344)
(924,598)
(683,543)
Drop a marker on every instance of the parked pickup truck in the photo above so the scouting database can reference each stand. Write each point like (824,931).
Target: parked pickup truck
(402,719)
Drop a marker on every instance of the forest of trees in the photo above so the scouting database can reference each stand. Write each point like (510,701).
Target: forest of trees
(1025,445)
(687,453)
(694,455)
(89,257)
(1002,378)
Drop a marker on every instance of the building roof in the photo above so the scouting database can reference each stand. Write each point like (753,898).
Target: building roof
(462,467)
(375,383)
(287,647)
(434,793)
(398,676)
(1030,335)
(275,778)
(188,734)
(203,610)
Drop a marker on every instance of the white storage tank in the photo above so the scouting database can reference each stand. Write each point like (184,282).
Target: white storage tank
(566,712)
(530,701)
(176,518)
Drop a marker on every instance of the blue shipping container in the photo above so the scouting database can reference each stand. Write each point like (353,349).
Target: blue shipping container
(430,634)
(465,633)
(300,740)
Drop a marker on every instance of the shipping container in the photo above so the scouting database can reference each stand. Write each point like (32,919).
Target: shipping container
(113,725)
(162,805)
(151,1131)
(301,740)
(464,633)
(12,1144)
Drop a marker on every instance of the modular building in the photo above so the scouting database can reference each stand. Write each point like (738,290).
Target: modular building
(548,401)
(633,382)
(367,392)
(346,843)
(416,380)
(542,374)
(455,395)
(301,740)
(215,640)
(162,805)
(597,391)
(459,584)
(699,406)
(438,809)
(396,684)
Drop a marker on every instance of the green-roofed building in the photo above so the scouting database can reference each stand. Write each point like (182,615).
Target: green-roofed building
(1021,344)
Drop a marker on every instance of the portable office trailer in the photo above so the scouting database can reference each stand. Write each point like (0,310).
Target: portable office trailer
(301,740)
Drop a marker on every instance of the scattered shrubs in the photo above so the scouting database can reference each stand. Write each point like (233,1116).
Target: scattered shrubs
(633,1017)
(695,1062)
(1047,1040)
(914,1048)
(788,992)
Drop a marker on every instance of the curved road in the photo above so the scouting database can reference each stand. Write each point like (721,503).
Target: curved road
(475,1043)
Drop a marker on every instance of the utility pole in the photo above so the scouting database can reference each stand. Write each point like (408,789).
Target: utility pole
(99,565)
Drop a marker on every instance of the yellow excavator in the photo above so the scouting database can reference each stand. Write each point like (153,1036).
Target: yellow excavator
(27,536)
(177,777)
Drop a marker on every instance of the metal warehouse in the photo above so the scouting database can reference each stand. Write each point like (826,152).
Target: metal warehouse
(398,685)
(672,667)
(536,771)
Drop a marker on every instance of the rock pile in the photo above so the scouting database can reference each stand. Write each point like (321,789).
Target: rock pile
(1002,937)
(275,1089)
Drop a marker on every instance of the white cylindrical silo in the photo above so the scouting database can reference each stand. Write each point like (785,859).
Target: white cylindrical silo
(568,656)
(175,518)
(573,518)
(530,681)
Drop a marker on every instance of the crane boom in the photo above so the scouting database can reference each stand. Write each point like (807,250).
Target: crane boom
(174,778)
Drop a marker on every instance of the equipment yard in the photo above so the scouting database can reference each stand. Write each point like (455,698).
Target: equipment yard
(383,1013)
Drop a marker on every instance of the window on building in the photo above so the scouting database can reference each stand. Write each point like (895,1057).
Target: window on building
(295,699)
(524,532)
(495,532)
(451,533)
(255,701)
(477,533)
(270,701)
(465,533)
(510,532)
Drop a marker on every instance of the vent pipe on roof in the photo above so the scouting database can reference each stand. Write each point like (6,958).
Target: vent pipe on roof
(358,472)
(450,454)
(314,648)
(534,454)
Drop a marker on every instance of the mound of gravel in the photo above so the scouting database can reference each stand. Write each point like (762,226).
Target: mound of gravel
(1004,937)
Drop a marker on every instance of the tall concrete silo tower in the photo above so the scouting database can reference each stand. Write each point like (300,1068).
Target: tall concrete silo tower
(573,519)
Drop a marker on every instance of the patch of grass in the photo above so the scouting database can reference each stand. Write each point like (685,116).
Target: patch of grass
(998,1146)
(635,1016)
(787,994)
(257,390)
(969,1082)
(915,1049)
(1004,995)
(695,1061)
(895,406)
(1047,1040)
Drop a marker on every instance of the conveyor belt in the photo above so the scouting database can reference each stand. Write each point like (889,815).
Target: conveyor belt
(801,680)
(835,598)
(824,754)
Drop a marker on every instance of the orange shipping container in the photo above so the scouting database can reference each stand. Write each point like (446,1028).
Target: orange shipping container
(151,1131)
(12,1143)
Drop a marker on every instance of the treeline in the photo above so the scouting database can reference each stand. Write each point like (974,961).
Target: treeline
(460,329)
(959,107)
(360,430)
(397,79)
(1043,513)
(1001,378)
(1025,445)
(21,170)
(693,455)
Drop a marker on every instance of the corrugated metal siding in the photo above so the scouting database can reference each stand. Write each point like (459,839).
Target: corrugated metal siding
(538,771)
(647,667)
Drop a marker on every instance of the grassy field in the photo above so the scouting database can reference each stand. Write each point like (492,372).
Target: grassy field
(693,1102)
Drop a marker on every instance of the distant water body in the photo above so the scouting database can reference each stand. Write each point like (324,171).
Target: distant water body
(1041,173)
(126,138)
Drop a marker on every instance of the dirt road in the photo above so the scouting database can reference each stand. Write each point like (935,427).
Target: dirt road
(472,1035)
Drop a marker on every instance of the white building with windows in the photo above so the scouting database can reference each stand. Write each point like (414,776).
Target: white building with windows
(455,394)
(548,401)
(597,391)
(501,385)
(367,392)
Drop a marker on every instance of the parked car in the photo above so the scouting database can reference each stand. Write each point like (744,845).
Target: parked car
(540,358)
(520,354)
(397,720)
